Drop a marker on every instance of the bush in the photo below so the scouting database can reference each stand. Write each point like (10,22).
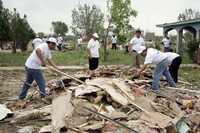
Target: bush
(122,39)
(192,49)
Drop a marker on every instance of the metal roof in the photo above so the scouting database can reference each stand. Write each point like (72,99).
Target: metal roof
(179,23)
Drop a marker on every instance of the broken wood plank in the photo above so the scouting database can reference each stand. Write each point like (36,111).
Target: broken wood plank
(23,115)
(60,72)
(46,129)
(115,95)
(183,82)
(131,99)
(4,112)
(154,119)
(61,107)
(106,85)
(183,89)
(82,90)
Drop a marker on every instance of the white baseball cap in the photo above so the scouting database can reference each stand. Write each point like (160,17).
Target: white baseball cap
(95,35)
(141,49)
(53,40)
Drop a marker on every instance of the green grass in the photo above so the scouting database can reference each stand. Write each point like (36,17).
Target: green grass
(73,58)
(190,75)
(66,58)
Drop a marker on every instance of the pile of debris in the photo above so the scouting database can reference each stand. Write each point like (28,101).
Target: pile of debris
(111,103)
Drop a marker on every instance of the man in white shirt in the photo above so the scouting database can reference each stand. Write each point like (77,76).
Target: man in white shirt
(134,46)
(174,60)
(114,42)
(36,42)
(79,42)
(60,42)
(93,53)
(154,56)
(167,43)
(33,67)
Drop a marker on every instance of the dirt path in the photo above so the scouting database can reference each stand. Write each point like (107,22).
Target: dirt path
(79,68)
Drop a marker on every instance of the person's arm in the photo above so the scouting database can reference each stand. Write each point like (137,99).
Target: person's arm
(142,69)
(52,63)
(40,56)
(89,53)
(88,49)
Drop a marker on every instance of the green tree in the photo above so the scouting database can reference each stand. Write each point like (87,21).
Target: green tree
(4,25)
(121,13)
(189,14)
(41,34)
(87,19)
(21,32)
(60,28)
(26,33)
(1,5)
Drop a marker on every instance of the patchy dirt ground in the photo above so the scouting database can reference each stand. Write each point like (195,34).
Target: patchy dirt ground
(10,82)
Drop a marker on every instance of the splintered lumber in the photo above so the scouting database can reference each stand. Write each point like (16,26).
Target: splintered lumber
(106,85)
(60,72)
(156,119)
(130,98)
(123,87)
(184,90)
(61,108)
(24,115)
(109,119)
(82,90)
(46,129)
(4,112)
(183,82)
(116,96)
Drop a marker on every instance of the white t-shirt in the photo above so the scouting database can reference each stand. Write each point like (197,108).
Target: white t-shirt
(79,41)
(36,42)
(33,60)
(166,42)
(114,39)
(171,56)
(94,46)
(154,56)
(60,40)
(136,43)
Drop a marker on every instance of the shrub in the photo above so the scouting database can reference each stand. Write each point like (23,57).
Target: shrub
(192,49)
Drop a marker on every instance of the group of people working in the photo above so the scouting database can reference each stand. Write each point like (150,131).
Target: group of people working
(167,63)
(37,41)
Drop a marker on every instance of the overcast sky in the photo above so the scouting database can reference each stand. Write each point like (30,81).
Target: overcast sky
(150,12)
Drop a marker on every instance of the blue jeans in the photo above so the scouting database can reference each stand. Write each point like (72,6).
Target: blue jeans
(162,69)
(31,75)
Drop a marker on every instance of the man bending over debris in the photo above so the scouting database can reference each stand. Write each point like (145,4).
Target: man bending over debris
(154,56)
(93,53)
(174,60)
(33,67)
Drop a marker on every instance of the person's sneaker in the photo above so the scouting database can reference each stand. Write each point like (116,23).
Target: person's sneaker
(155,91)
(45,100)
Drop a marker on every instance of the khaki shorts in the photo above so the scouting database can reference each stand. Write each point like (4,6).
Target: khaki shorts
(141,58)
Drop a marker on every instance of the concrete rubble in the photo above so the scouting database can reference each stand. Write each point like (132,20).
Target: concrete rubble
(115,102)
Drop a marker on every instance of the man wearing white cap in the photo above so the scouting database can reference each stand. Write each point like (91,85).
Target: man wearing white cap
(36,42)
(134,46)
(93,53)
(33,66)
(154,56)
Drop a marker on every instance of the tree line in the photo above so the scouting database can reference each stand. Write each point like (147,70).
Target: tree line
(86,19)
(14,28)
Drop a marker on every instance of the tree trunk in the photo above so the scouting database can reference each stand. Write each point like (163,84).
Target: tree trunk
(1,45)
(14,47)
(105,43)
